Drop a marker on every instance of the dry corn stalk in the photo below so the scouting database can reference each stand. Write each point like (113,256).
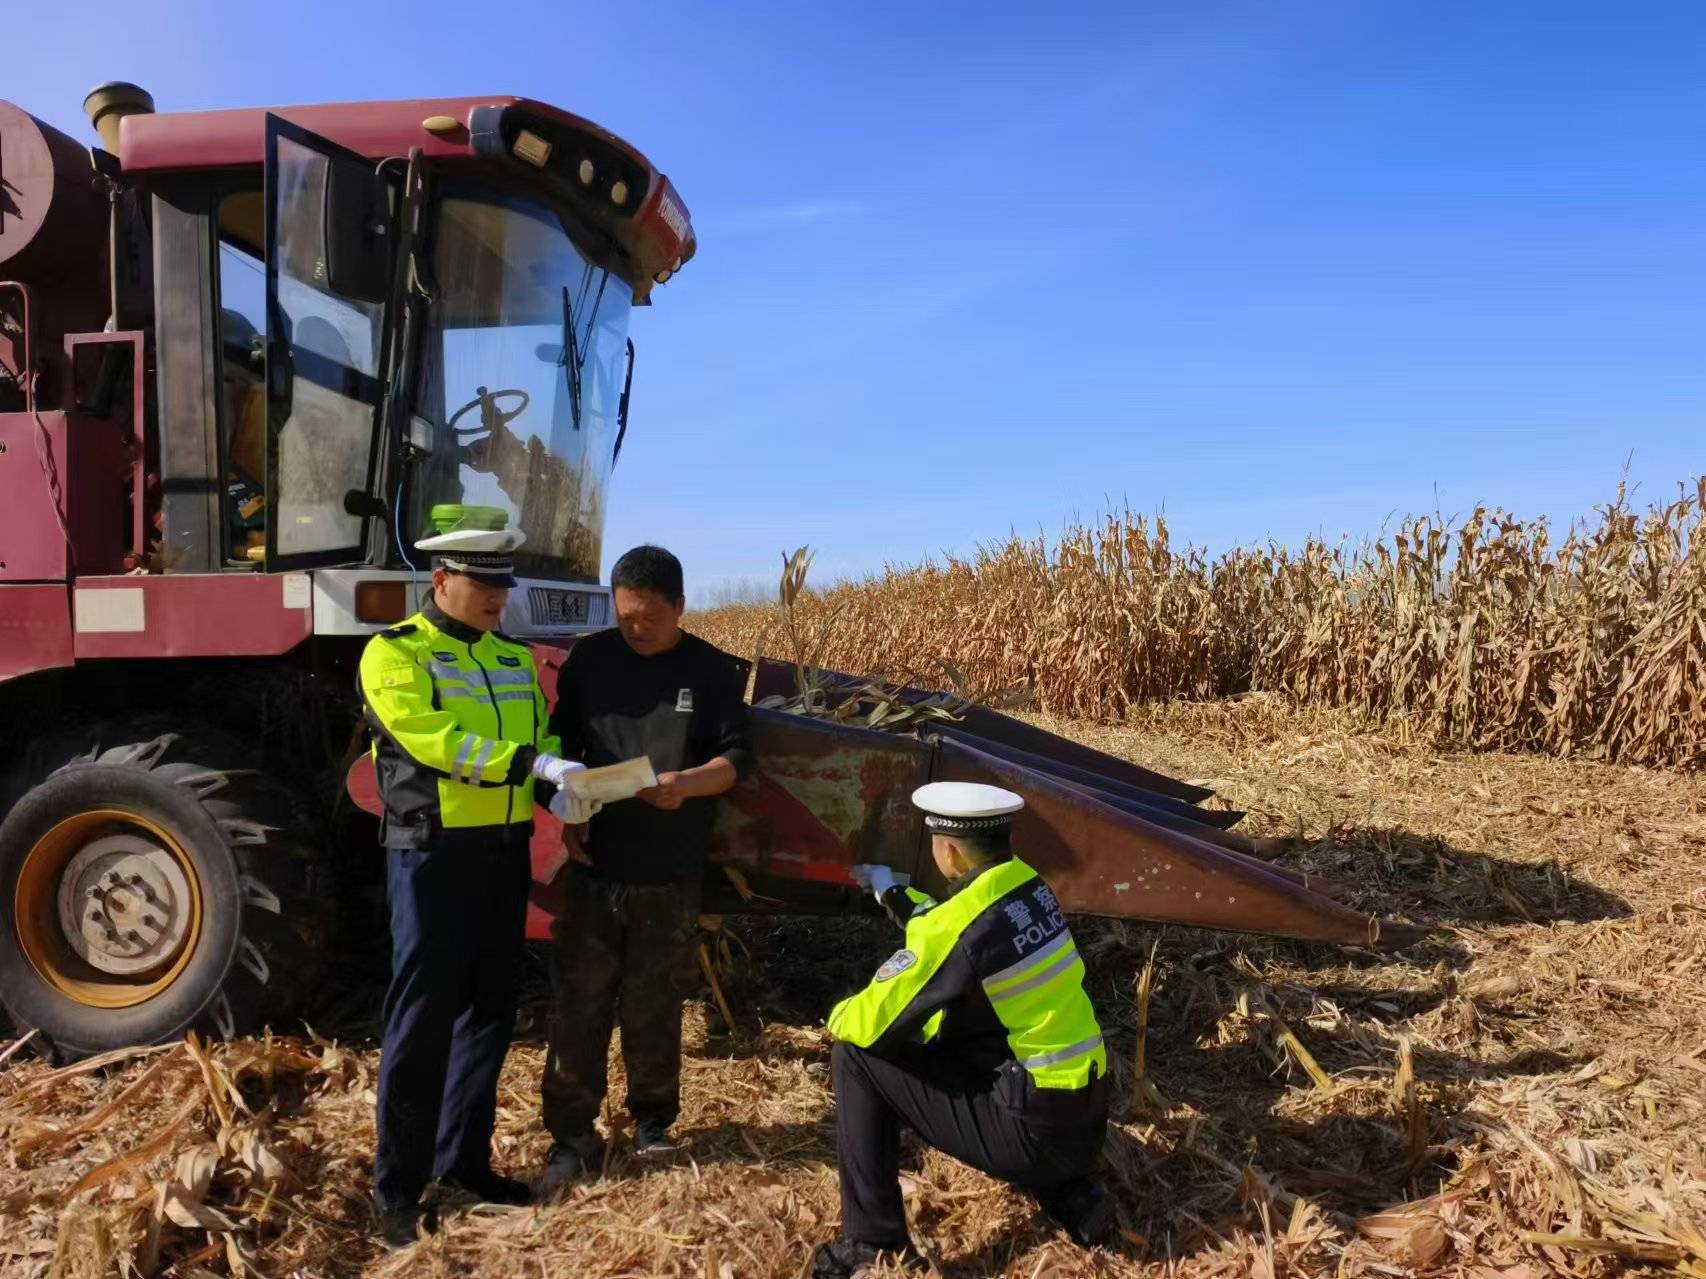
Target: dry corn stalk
(1486,634)
(878,701)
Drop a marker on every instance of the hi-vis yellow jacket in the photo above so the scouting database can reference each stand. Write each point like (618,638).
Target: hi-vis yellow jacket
(457,717)
(991,972)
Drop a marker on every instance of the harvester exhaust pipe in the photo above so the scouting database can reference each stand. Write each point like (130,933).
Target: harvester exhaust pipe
(107,104)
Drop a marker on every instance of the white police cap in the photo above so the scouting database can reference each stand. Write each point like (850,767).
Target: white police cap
(951,806)
(485,555)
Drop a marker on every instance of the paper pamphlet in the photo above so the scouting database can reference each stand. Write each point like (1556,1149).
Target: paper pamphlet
(613,781)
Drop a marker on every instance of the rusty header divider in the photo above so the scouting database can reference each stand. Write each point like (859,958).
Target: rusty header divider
(1263,849)
(1163,810)
(1008,731)
(1103,861)
(777,677)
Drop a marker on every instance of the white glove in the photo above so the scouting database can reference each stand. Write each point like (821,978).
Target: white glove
(554,768)
(571,809)
(877,877)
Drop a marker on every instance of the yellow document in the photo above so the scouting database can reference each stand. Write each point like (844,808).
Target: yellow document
(613,781)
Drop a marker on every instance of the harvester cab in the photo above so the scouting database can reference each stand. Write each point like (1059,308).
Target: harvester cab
(247,359)
(324,322)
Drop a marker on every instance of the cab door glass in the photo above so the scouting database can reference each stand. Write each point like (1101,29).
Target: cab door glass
(325,376)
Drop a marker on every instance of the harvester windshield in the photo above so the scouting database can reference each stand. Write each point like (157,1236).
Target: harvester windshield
(522,370)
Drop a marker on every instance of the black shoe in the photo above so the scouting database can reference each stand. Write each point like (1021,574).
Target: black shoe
(1085,1212)
(400,1227)
(566,1163)
(489,1187)
(844,1258)
(652,1138)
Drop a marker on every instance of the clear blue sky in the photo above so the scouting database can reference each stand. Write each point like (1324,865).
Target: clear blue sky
(968,267)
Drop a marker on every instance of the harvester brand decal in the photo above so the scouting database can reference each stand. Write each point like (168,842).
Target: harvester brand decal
(673,216)
(508,661)
(896,964)
(684,700)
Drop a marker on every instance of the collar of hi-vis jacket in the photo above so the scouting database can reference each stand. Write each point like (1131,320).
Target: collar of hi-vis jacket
(449,625)
(967,878)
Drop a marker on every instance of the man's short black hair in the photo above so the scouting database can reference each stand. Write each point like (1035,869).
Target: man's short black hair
(649,568)
(985,845)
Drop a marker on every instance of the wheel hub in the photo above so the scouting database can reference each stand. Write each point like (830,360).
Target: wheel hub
(124,904)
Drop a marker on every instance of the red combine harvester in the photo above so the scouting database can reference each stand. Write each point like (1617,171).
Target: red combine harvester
(242,355)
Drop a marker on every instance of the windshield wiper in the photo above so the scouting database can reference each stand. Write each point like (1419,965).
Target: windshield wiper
(576,349)
(570,359)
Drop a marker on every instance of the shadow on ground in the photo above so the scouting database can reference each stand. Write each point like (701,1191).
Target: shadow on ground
(1396,871)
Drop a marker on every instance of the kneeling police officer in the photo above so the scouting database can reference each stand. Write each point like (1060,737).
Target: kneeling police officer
(976,1034)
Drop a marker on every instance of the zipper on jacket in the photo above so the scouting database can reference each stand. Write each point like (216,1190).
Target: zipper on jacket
(498,733)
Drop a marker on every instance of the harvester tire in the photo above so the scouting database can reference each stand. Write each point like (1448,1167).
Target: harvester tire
(150,887)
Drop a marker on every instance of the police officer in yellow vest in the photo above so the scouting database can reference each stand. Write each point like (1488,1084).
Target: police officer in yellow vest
(458,725)
(976,1034)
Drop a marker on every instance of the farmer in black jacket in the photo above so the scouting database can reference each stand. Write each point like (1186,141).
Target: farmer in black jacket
(624,942)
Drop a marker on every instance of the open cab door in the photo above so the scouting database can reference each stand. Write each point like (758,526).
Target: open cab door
(330,259)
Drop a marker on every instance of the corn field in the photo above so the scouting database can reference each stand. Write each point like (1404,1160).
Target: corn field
(1486,634)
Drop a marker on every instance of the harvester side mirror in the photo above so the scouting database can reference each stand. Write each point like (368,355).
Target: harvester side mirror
(361,503)
(358,233)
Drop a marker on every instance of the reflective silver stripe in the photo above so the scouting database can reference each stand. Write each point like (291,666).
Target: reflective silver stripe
(1065,1054)
(1031,983)
(468,741)
(478,772)
(444,670)
(1029,961)
(478,694)
(514,695)
(509,675)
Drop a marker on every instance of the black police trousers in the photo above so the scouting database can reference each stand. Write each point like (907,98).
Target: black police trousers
(622,955)
(457,917)
(993,1119)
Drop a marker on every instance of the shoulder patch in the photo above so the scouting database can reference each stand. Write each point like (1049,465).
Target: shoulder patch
(444,657)
(896,964)
(397,632)
(505,660)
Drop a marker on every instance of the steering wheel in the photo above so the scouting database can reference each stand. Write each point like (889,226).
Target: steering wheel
(491,416)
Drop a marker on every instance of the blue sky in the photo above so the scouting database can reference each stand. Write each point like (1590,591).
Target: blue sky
(965,268)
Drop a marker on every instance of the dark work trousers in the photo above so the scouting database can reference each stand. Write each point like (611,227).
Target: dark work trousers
(622,955)
(993,1119)
(457,916)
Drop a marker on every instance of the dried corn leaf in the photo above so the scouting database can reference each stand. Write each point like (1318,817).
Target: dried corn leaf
(183,1207)
(1413,1238)
(195,1169)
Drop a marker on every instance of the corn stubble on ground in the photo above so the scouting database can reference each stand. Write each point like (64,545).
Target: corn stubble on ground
(1520,1096)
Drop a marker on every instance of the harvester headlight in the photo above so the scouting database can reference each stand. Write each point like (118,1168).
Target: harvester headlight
(587,173)
(619,193)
